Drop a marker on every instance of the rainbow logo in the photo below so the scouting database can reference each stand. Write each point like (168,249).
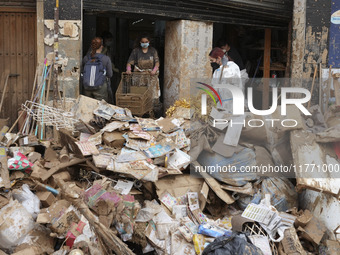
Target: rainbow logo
(209,93)
(204,97)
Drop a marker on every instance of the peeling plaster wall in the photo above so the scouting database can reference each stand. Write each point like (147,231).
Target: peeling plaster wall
(298,39)
(317,29)
(70,46)
(187,46)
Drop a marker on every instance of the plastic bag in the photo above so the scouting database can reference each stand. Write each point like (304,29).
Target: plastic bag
(30,201)
(282,192)
(15,223)
(235,244)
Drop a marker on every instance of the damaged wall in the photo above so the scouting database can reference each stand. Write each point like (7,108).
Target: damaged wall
(70,36)
(185,57)
(310,38)
(298,38)
(317,28)
(323,206)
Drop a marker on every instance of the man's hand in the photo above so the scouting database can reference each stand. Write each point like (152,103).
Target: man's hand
(128,71)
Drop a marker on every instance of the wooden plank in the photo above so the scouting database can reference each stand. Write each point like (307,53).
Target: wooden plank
(215,186)
(19,42)
(25,49)
(13,67)
(4,84)
(16,9)
(6,60)
(53,170)
(266,67)
(32,53)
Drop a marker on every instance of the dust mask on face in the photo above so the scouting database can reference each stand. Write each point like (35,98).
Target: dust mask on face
(144,45)
(214,66)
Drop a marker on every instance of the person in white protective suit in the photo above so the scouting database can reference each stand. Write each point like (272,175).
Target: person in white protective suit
(226,73)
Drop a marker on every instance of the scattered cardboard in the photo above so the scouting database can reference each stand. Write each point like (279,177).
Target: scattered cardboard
(333,247)
(3,201)
(34,156)
(50,155)
(4,173)
(291,243)
(29,251)
(38,171)
(46,198)
(303,219)
(114,139)
(29,140)
(313,231)
(53,170)
(178,185)
(167,125)
(246,189)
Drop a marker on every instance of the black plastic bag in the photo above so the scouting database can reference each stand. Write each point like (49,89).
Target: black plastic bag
(235,244)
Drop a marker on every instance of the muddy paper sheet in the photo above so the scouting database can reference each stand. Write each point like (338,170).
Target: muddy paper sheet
(137,169)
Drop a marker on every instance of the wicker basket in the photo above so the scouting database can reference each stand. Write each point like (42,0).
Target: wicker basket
(135,94)
(253,228)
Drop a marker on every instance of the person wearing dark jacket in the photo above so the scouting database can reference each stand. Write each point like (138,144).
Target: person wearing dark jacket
(234,56)
(145,59)
(231,52)
(96,51)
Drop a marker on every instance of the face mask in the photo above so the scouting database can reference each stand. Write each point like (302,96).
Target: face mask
(214,65)
(144,45)
(224,50)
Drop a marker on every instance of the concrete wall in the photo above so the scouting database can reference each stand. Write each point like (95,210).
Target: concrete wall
(70,46)
(187,45)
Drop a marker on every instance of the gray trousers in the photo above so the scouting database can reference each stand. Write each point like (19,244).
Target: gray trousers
(98,94)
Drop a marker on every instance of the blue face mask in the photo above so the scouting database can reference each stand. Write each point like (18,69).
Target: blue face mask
(144,45)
